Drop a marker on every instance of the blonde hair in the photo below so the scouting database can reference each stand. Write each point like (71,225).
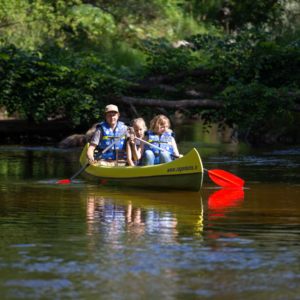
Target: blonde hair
(139,121)
(158,121)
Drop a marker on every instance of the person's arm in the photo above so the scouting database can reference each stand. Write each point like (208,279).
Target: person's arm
(135,152)
(96,138)
(142,148)
(129,154)
(90,152)
(176,152)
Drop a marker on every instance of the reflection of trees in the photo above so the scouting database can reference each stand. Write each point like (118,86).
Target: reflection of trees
(39,213)
(24,164)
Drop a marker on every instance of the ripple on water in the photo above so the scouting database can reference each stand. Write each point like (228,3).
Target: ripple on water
(115,243)
(254,161)
(23,245)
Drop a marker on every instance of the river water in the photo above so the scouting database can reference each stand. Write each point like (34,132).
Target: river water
(91,241)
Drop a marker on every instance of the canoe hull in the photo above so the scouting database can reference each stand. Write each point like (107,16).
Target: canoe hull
(190,182)
(182,174)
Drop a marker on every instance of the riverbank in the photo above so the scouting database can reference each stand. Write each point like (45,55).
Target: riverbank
(60,133)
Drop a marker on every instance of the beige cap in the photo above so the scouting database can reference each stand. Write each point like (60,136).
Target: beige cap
(111,107)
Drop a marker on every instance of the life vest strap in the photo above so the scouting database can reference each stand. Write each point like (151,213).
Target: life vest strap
(107,151)
(110,137)
(111,150)
(159,142)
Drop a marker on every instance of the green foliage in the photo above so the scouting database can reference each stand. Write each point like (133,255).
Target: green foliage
(52,81)
(107,28)
(256,71)
(163,58)
(234,14)
(256,67)
(251,105)
(287,30)
(117,24)
(29,24)
(252,55)
(147,18)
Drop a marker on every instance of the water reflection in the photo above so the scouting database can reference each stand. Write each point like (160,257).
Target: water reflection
(224,199)
(220,204)
(139,214)
(86,241)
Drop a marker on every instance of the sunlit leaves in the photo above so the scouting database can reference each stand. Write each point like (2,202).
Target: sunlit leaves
(29,24)
(163,58)
(52,81)
(256,70)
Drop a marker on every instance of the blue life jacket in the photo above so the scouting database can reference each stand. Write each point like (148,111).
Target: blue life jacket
(163,142)
(108,138)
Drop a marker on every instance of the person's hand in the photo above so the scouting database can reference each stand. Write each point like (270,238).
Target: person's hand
(90,160)
(131,130)
(132,139)
(180,155)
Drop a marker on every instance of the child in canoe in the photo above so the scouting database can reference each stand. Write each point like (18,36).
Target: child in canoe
(161,136)
(133,146)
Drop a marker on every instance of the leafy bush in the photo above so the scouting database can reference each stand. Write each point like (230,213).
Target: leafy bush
(163,58)
(254,70)
(53,81)
(255,74)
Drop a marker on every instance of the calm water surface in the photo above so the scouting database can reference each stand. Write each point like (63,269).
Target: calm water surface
(87,241)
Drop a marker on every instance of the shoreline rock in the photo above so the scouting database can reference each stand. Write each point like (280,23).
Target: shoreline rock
(77,140)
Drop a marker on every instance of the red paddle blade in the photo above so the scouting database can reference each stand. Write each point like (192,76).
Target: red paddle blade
(225,179)
(64,181)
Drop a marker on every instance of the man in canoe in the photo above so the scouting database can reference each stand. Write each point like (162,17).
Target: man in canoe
(161,136)
(105,134)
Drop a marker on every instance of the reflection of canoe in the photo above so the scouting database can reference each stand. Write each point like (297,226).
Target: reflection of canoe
(175,201)
(185,173)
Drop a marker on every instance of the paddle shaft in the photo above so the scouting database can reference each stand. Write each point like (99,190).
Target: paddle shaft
(99,154)
(141,140)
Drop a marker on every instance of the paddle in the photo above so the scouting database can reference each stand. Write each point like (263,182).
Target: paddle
(95,157)
(220,177)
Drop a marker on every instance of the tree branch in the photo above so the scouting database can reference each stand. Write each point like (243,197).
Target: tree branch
(134,110)
(165,78)
(148,87)
(175,105)
(296,108)
(294,96)
(204,104)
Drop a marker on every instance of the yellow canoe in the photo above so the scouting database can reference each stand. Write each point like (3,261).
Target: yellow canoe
(185,173)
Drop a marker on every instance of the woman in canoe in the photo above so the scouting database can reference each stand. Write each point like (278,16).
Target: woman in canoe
(133,146)
(161,136)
